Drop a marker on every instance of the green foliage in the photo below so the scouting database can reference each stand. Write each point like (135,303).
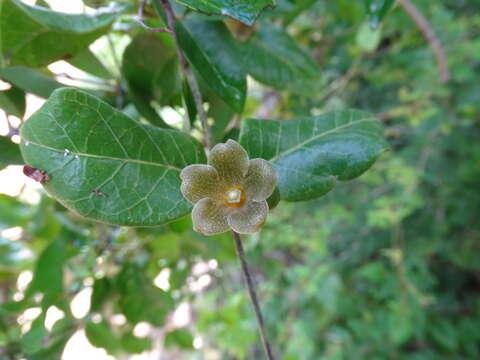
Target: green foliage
(12,101)
(29,80)
(311,153)
(383,267)
(152,76)
(37,36)
(222,71)
(10,153)
(243,10)
(126,174)
(274,58)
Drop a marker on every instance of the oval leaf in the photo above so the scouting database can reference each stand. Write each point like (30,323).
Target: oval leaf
(105,166)
(29,80)
(244,10)
(214,54)
(311,153)
(36,36)
(151,77)
(274,58)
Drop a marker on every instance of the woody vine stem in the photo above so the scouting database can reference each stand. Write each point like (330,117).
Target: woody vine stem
(209,142)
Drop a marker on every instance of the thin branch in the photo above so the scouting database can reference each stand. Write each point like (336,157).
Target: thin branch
(116,60)
(141,20)
(269,102)
(430,36)
(253,295)
(188,73)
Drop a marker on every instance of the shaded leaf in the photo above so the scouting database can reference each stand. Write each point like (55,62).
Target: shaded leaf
(12,101)
(30,81)
(100,335)
(32,341)
(377,9)
(311,153)
(140,300)
(36,36)
(216,57)
(150,68)
(88,62)
(180,338)
(135,345)
(244,10)
(9,153)
(48,275)
(84,144)
(274,58)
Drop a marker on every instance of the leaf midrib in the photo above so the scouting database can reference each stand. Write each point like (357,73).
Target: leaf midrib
(302,144)
(103,157)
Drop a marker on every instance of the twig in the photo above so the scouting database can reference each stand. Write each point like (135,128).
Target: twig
(141,20)
(253,295)
(188,73)
(338,86)
(116,60)
(430,36)
(269,102)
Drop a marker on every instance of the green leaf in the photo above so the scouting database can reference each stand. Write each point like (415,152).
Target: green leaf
(36,36)
(377,9)
(213,52)
(244,10)
(368,38)
(88,62)
(153,76)
(12,101)
(32,341)
(48,275)
(30,80)
(222,114)
(9,153)
(180,338)
(311,153)
(274,58)
(135,345)
(140,300)
(100,335)
(84,145)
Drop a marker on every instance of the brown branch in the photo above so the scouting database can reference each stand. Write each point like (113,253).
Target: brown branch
(430,36)
(141,20)
(269,102)
(253,295)
(188,74)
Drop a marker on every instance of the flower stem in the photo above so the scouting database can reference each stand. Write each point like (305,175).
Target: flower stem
(253,295)
(188,74)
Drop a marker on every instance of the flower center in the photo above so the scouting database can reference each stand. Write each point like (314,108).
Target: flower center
(235,197)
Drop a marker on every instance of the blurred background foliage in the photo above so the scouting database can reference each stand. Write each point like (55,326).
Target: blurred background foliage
(384,267)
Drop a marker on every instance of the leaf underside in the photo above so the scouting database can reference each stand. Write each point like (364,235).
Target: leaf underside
(311,153)
(105,166)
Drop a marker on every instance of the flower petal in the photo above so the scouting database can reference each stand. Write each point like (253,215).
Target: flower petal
(261,180)
(249,218)
(210,217)
(231,162)
(199,181)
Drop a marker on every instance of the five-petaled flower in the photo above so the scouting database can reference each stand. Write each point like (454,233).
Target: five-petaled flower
(230,192)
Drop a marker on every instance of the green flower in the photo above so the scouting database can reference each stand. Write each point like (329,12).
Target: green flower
(230,192)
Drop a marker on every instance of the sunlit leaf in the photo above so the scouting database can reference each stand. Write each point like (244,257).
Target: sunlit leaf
(310,154)
(105,166)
